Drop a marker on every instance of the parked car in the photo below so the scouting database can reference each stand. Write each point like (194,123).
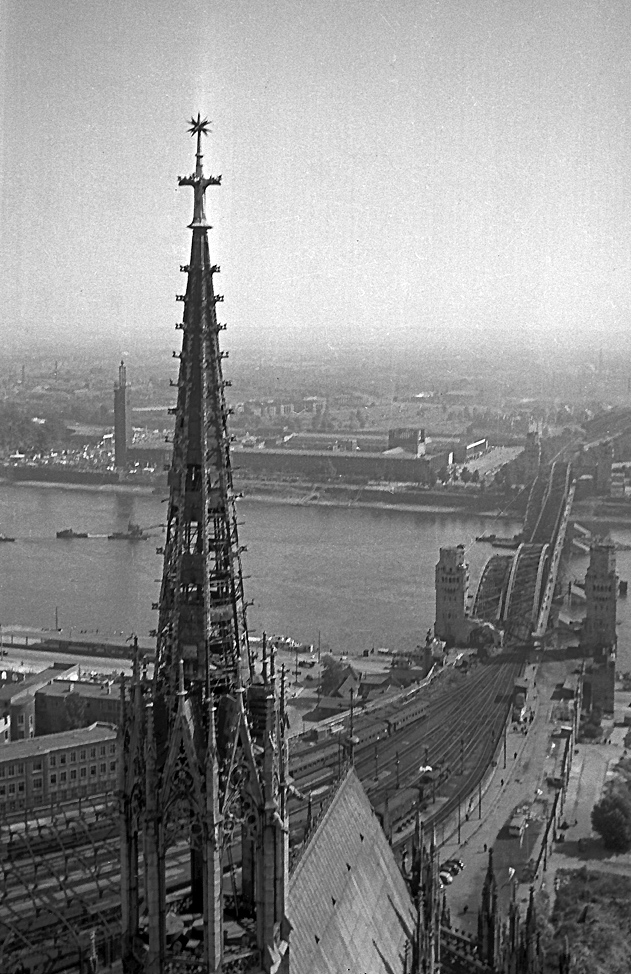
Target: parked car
(445,878)
(453,866)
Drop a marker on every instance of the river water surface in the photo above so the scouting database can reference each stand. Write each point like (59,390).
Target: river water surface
(360,577)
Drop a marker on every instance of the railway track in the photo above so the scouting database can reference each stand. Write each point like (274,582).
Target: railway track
(455,735)
(60,870)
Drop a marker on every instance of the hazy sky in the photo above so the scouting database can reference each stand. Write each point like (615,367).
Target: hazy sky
(419,169)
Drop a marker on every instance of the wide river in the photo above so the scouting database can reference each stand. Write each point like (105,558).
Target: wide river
(359,577)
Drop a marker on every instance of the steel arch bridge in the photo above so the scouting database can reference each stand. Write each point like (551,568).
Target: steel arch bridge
(525,590)
(489,599)
(514,591)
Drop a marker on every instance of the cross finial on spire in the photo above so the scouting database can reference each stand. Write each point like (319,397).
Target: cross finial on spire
(199,126)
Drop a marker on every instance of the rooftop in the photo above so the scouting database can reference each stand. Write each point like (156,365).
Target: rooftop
(61,688)
(348,903)
(34,681)
(94,734)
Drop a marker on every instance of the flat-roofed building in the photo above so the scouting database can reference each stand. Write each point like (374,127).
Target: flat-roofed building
(57,767)
(64,704)
(17,701)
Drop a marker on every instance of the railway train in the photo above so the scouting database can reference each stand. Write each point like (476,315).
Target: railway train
(367,729)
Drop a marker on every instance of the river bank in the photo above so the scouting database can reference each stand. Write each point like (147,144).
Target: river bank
(388,497)
(601,513)
(374,505)
(117,488)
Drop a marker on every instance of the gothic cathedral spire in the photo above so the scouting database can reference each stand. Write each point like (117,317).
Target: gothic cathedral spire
(203,751)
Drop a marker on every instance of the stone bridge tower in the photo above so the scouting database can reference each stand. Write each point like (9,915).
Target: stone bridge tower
(203,752)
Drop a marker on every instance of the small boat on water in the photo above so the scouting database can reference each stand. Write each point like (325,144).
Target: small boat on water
(486,537)
(5,537)
(69,533)
(133,533)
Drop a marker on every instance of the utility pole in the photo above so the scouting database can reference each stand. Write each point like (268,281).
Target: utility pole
(459,822)
(396,764)
(480,800)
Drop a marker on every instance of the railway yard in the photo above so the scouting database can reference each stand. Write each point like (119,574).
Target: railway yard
(60,869)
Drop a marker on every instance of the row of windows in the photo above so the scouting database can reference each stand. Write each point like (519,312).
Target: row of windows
(61,779)
(17,803)
(12,788)
(83,773)
(82,755)
(11,770)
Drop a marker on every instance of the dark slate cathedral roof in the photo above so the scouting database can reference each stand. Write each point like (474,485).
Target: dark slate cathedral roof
(348,904)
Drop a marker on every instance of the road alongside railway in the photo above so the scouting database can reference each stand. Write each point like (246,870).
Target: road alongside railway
(64,866)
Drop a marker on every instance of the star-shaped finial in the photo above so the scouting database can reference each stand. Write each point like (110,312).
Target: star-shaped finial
(199,125)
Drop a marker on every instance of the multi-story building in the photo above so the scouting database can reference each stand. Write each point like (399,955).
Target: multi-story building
(64,703)
(57,767)
(17,702)
(410,440)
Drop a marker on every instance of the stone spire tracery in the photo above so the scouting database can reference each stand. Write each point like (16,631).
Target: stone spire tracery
(203,754)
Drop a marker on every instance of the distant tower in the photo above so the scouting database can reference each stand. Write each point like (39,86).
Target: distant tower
(598,636)
(203,750)
(531,457)
(122,418)
(601,583)
(604,462)
(452,588)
